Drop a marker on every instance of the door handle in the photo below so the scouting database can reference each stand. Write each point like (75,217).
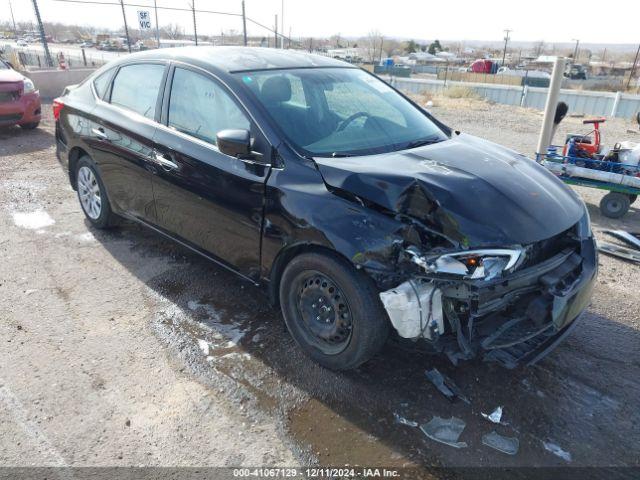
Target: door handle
(164,160)
(100,134)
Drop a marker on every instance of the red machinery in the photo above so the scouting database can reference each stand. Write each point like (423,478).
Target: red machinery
(585,146)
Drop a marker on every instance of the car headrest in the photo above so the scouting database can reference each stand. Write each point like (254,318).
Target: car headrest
(275,90)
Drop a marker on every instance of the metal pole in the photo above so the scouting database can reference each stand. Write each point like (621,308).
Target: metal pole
(633,69)
(550,107)
(575,51)
(155,6)
(15,30)
(195,28)
(126,28)
(275,33)
(506,40)
(43,37)
(244,24)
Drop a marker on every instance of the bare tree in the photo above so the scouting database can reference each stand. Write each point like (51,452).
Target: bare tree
(173,31)
(371,45)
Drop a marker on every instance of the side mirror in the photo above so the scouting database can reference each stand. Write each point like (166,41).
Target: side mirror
(638,118)
(235,143)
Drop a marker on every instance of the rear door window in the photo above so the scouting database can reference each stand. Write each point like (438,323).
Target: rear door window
(136,88)
(200,107)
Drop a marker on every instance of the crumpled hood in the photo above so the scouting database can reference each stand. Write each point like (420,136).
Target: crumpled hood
(471,190)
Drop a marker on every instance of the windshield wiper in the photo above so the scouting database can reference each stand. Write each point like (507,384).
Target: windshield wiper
(340,155)
(422,142)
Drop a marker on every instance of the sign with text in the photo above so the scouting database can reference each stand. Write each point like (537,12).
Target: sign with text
(144,19)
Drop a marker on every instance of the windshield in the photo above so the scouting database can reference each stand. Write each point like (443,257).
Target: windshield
(340,111)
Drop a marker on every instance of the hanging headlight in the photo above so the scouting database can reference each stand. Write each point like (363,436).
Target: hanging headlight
(483,264)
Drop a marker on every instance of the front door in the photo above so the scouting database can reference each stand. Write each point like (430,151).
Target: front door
(211,200)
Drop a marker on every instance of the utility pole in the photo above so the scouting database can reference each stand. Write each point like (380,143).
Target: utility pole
(126,28)
(575,50)
(633,69)
(15,30)
(282,23)
(244,24)
(43,37)
(155,6)
(506,40)
(195,28)
(275,34)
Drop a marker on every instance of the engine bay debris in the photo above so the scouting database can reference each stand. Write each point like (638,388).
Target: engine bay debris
(508,445)
(445,430)
(445,385)
(495,416)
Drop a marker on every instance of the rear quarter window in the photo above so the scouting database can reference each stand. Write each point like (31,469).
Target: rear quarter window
(101,83)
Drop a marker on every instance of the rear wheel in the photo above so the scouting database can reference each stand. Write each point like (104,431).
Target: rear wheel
(614,204)
(332,311)
(92,194)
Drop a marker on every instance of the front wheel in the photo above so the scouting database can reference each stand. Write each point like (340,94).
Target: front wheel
(614,205)
(332,311)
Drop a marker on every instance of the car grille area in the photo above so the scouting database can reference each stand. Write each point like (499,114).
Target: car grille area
(9,97)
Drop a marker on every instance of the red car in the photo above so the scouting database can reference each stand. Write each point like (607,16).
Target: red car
(19,99)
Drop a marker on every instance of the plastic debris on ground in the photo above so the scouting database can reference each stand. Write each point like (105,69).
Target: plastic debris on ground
(403,421)
(494,416)
(630,238)
(557,450)
(620,252)
(445,431)
(508,445)
(446,386)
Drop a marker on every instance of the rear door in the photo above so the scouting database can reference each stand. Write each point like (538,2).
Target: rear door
(121,137)
(211,200)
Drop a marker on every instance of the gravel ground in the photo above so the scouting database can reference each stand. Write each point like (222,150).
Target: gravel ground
(121,348)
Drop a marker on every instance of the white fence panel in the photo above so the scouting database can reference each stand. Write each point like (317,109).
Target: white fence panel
(579,101)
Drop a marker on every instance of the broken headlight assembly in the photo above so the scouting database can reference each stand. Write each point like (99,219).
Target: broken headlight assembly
(482,264)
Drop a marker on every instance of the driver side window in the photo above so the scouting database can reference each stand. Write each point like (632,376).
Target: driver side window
(199,107)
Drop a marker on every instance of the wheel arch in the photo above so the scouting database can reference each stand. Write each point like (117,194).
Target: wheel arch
(286,255)
(74,155)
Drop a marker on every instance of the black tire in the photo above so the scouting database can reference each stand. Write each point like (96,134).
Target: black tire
(632,198)
(104,218)
(30,126)
(353,312)
(614,205)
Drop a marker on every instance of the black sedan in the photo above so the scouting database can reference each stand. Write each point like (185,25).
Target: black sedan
(359,212)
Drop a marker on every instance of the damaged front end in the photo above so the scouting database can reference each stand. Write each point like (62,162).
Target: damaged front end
(509,305)
(493,257)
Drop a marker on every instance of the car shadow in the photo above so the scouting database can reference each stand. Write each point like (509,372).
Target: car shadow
(583,398)
(24,141)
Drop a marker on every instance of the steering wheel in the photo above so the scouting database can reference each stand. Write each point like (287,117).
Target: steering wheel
(350,119)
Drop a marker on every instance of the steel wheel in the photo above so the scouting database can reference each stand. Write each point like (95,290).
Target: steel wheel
(325,313)
(89,193)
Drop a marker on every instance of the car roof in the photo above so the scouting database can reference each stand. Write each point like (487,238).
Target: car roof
(238,59)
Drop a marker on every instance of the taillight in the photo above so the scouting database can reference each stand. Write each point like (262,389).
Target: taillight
(57,108)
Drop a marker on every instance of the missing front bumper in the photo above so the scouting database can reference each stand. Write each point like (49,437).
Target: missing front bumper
(510,320)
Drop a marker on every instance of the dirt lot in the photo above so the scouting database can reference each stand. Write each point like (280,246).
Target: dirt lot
(121,348)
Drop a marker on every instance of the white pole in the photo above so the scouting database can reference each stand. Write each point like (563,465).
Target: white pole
(550,107)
